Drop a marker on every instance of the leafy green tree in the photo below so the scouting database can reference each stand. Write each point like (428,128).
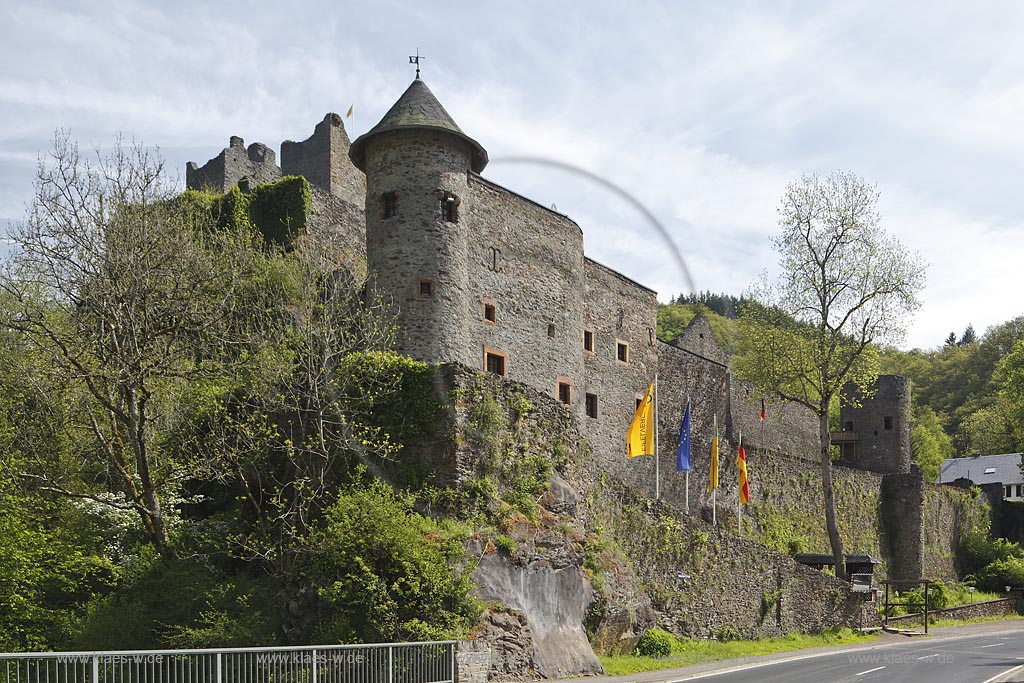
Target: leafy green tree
(113,292)
(929,443)
(990,430)
(849,286)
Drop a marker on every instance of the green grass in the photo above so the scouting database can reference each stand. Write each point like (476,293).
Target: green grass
(973,620)
(686,652)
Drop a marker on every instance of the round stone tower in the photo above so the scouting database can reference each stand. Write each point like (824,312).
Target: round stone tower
(881,424)
(417,162)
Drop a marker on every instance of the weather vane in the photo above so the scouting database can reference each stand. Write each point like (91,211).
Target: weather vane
(415,59)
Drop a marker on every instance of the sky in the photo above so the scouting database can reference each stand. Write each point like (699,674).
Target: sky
(703,112)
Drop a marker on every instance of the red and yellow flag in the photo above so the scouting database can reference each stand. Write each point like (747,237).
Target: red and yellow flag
(640,435)
(741,462)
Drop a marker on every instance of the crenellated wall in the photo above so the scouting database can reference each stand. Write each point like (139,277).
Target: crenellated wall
(258,163)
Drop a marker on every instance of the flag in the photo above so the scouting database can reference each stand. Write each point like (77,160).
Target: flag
(741,462)
(640,435)
(683,452)
(762,410)
(350,108)
(713,473)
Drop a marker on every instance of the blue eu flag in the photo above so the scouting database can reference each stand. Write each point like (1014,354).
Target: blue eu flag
(683,453)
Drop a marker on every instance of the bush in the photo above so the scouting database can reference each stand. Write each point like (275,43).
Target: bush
(387,574)
(1002,573)
(655,643)
(181,603)
(977,551)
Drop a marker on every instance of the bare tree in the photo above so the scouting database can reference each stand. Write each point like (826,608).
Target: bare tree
(110,288)
(844,286)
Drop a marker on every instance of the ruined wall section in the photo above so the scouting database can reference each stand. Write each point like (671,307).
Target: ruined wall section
(882,424)
(323,160)
(258,163)
(525,261)
(616,310)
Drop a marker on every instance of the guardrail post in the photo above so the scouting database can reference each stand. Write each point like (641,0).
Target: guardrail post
(217,668)
(314,664)
(95,668)
(391,665)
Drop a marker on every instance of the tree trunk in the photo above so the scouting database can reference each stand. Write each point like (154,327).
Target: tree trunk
(828,493)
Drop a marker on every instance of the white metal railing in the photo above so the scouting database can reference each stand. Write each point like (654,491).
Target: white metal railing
(378,663)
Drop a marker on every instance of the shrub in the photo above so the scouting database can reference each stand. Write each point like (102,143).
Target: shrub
(1001,573)
(655,643)
(977,551)
(386,573)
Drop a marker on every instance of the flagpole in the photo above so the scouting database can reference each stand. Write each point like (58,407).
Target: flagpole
(657,469)
(714,491)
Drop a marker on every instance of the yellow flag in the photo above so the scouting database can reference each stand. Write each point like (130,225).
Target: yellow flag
(350,108)
(713,473)
(640,435)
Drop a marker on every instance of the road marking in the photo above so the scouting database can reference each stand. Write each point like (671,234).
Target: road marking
(998,677)
(936,654)
(982,647)
(877,668)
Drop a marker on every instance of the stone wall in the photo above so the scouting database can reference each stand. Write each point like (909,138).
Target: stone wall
(616,310)
(323,160)
(705,582)
(258,163)
(1003,607)
(341,223)
(525,260)
(948,513)
(472,661)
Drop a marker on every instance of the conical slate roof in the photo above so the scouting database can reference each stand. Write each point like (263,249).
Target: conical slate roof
(417,108)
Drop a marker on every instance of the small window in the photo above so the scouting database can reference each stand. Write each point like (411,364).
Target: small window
(490,311)
(622,352)
(449,207)
(388,204)
(551,330)
(1020,490)
(424,288)
(591,405)
(1009,493)
(494,362)
(990,470)
(588,340)
(848,426)
(888,422)
(564,391)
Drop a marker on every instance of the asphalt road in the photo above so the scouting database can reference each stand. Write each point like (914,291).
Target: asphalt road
(976,658)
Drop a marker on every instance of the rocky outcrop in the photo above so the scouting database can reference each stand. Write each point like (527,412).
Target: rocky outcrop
(554,601)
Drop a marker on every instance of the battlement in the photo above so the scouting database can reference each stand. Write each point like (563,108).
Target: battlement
(258,163)
(323,160)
